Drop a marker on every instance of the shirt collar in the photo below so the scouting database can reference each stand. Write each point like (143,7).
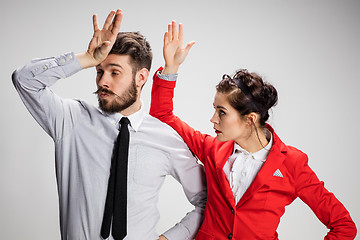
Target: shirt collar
(135,119)
(260,155)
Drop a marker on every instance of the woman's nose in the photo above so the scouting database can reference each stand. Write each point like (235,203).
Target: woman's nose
(213,119)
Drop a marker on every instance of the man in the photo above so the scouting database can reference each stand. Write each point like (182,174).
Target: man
(84,138)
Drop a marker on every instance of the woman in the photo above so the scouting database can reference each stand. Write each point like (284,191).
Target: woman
(251,174)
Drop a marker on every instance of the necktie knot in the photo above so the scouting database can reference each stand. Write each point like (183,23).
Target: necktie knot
(124,121)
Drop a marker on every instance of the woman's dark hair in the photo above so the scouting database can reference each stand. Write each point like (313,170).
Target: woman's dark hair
(135,45)
(247,93)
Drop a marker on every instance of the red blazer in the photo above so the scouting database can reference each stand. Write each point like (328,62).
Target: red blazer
(257,214)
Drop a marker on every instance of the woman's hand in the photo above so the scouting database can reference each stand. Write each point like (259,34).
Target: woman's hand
(174,51)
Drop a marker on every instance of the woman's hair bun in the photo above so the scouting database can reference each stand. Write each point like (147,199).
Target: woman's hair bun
(269,96)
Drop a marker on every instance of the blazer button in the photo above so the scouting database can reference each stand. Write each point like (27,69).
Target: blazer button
(230,236)
(232,211)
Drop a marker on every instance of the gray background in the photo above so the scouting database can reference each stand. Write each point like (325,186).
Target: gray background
(308,49)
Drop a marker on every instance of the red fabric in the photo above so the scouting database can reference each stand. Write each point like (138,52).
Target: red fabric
(258,212)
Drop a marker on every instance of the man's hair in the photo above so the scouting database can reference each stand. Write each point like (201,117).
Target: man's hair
(135,45)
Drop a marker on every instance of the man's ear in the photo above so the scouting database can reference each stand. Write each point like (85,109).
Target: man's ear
(141,77)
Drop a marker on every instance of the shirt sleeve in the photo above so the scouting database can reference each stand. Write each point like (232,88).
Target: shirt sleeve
(161,107)
(329,210)
(191,175)
(32,82)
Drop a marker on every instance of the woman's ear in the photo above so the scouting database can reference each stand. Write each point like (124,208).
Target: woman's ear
(252,118)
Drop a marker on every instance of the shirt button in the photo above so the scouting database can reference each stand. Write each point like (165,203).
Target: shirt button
(45,67)
(62,60)
(232,211)
(230,236)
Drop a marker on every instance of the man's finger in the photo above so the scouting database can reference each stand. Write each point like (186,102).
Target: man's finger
(95,23)
(103,49)
(117,22)
(108,20)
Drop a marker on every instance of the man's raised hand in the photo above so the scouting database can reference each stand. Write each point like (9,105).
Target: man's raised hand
(102,40)
(173,50)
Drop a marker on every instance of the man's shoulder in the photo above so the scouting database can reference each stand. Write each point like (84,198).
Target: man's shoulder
(83,108)
(85,104)
(150,121)
(161,130)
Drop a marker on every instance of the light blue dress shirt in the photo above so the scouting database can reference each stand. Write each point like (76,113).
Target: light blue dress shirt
(84,137)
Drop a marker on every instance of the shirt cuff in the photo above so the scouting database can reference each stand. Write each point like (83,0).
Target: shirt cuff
(167,77)
(69,63)
(178,232)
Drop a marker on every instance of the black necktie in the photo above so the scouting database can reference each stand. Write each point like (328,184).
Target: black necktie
(115,205)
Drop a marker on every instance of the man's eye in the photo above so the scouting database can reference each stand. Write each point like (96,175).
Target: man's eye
(115,73)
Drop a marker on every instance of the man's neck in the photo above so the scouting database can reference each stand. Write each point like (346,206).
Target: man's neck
(136,106)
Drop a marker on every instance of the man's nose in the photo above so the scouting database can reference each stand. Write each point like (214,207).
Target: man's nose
(104,81)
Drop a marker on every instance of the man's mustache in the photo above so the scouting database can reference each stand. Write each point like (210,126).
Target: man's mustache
(104,90)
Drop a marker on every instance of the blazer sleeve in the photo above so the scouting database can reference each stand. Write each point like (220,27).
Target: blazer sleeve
(329,210)
(162,94)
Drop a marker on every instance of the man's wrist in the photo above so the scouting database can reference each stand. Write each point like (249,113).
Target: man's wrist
(86,61)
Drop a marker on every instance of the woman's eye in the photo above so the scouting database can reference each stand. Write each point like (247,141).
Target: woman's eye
(221,113)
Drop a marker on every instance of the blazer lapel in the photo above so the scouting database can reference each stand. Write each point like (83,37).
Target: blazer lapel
(275,159)
(223,154)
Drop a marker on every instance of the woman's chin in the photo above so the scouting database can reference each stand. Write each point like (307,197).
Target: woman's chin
(221,138)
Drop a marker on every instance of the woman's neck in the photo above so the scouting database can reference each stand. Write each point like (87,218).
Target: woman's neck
(255,142)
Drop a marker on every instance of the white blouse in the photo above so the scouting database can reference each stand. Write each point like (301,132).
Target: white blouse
(242,167)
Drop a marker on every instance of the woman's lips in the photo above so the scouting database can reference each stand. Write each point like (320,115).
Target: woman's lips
(217,131)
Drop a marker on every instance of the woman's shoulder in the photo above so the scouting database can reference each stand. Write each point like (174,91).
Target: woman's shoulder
(294,151)
(218,148)
(293,154)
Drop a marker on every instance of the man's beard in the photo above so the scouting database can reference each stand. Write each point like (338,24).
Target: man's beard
(119,103)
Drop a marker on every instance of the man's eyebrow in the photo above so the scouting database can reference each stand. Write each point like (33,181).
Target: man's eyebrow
(115,65)
(111,65)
